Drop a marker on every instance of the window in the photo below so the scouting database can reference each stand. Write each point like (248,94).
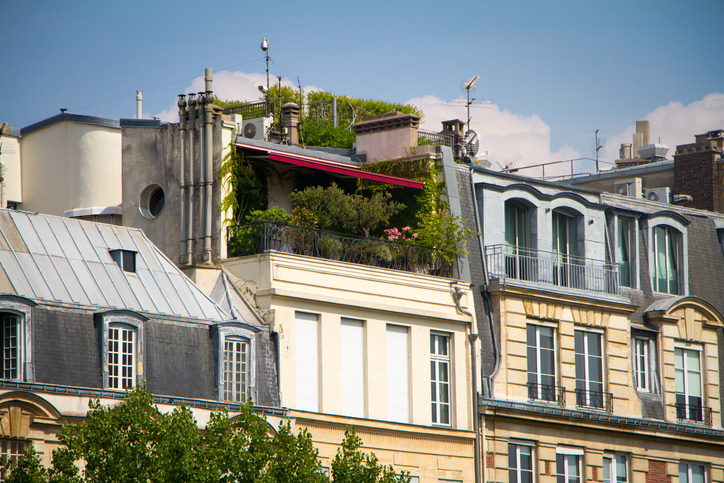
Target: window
(398,393)
(520,463)
(440,378)
(688,384)
(541,363)
(641,364)
(236,369)
(121,357)
(125,259)
(692,473)
(520,261)
(568,270)
(11,346)
(625,251)
(589,369)
(666,249)
(614,468)
(353,377)
(306,335)
(568,467)
(152,201)
(12,451)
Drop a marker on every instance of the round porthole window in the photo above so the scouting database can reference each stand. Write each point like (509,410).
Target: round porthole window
(152,201)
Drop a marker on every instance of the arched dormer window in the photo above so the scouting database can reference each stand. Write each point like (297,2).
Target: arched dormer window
(236,367)
(122,347)
(667,250)
(16,333)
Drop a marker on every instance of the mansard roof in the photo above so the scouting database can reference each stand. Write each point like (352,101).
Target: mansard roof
(52,259)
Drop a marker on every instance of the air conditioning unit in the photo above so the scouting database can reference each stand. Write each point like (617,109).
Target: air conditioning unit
(629,187)
(257,128)
(662,195)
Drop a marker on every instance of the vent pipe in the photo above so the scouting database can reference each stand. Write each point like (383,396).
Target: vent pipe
(192,159)
(182,116)
(139,104)
(201,114)
(209,128)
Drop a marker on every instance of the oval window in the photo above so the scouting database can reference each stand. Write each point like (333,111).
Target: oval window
(152,201)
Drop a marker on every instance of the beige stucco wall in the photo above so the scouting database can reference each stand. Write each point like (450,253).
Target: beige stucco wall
(68,166)
(390,144)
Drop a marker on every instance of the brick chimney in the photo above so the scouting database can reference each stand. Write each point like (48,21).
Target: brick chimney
(290,116)
(699,171)
(387,136)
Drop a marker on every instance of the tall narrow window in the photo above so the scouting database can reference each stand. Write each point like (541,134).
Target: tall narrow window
(692,473)
(589,369)
(614,468)
(11,346)
(236,370)
(541,363)
(307,361)
(624,250)
(440,378)
(353,378)
(520,463)
(568,467)
(666,241)
(642,364)
(398,395)
(568,268)
(121,357)
(12,451)
(687,370)
(519,262)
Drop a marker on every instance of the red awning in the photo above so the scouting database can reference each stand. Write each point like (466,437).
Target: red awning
(332,167)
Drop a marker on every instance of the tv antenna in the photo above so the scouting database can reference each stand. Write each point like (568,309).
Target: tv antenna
(597,149)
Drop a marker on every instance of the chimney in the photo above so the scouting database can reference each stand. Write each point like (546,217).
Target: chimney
(290,116)
(139,104)
(642,127)
(699,171)
(625,151)
(387,136)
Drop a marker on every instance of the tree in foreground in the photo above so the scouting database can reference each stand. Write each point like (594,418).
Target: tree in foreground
(133,442)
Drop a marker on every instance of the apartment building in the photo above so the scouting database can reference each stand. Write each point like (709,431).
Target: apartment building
(607,315)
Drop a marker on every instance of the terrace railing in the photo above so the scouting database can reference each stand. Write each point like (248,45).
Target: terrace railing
(260,237)
(436,138)
(550,268)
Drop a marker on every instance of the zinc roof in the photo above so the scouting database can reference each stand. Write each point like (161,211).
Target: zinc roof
(65,260)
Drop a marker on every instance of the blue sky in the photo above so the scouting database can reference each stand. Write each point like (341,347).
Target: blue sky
(555,70)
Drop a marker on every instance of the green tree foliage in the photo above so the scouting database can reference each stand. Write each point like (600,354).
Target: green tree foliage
(353,466)
(245,183)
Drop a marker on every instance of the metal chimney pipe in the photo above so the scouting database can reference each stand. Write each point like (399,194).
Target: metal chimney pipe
(200,103)
(182,116)
(192,158)
(139,104)
(209,167)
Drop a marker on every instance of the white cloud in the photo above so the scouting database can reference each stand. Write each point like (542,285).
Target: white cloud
(676,124)
(507,137)
(228,86)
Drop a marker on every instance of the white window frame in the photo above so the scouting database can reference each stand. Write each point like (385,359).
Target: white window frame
(122,356)
(235,332)
(683,250)
(687,468)
(440,362)
(685,370)
(516,470)
(566,456)
(610,466)
(632,248)
(12,449)
(21,308)
(588,358)
(642,364)
(538,374)
(128,320)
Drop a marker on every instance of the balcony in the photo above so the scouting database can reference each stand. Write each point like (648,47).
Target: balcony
(694,413)
(255,238)
(594,400)
(506,262)
(546,393)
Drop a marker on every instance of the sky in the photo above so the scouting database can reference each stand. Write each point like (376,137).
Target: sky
(551,73)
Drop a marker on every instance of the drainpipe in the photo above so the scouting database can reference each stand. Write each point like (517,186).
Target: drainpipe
(201,102)
(209,166)
(182,175)
(192,158)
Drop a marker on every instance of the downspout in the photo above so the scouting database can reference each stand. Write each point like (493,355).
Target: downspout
(209,166)
(182,175)
(201,102)
(192,156)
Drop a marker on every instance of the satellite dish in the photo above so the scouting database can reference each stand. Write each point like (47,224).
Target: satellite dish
(472,143)
(250,130)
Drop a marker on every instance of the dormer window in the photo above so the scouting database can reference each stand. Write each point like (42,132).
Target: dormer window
(125,259)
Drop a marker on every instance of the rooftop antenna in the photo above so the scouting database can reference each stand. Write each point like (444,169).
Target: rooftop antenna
(468,85)
(598,149)
(265,48)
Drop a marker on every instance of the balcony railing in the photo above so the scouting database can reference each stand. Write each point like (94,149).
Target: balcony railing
(545,392)
(438,139)
(594,399)
(693,412)
(551,268)
(260,237)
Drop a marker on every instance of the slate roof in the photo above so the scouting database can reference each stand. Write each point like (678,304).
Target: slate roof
(54,259)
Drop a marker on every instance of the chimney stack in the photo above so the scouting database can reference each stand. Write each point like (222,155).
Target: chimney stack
(290,116)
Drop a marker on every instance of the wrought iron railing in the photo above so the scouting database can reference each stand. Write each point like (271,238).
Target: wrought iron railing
(594,399)
(693,412)
(250,110)
(260,237)
(438,139)
(551,268)
(545,392)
